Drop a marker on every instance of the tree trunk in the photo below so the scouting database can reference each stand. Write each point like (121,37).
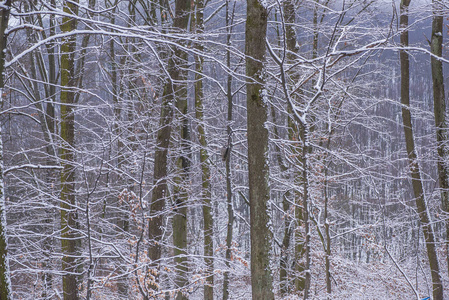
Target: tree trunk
(412,158)
(294,132)
(327,230)
(230,223)
(174,92)
(160,190)
(182,11)
(284,272)
(204,156)
(67,196)
(439,108)
(5,282)
(305,205)
(258,172)
(180,191)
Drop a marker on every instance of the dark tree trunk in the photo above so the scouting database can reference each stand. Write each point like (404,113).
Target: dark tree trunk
(294,132)
(204,156)
(257,113)
(182,13)
(160,191)
(412,158)
(230,210)
(67,153)
(5,288)
(175,92)
(439,107)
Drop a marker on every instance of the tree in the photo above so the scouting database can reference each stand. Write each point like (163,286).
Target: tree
(412,157)
(258,172)
(181,194)
(160,191)
(175,93)
(228,153)
(68,200)
(439,108)
(294,134)
(204,155)
(5,288)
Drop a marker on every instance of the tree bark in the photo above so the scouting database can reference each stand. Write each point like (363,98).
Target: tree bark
(67,153)
(305,203)
(294,132)
(160,191)
(204,156)
(412,158)
(182,12)
(327,229)
(230,210)
(257,113)
(5,282)
(284,272)
(439,108)
(175,92)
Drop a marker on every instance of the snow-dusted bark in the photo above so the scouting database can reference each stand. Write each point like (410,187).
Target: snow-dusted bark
(208,231)
(5,283)
(181,193)
(294,131)
(257,113)
(67,196)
